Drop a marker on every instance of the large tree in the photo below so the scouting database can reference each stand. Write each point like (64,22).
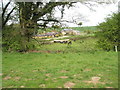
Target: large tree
(39,11)
(30,13)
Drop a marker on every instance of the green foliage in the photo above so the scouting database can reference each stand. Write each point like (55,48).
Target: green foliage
(14,41)
(80,23)
(105,45)
(108,34)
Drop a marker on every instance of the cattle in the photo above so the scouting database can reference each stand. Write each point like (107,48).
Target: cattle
(66,41)
(70,42)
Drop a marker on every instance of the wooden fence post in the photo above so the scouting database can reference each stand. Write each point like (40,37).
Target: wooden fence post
(116,48)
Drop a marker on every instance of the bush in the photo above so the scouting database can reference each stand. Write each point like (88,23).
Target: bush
(13,40)
(108,34)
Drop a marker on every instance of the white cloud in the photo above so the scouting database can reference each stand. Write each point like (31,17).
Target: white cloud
(93,17)
(101,13)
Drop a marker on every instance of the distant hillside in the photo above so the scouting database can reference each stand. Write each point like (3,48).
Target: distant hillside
(86,28)
(82,29)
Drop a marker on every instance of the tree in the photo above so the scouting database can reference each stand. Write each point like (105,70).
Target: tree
(6,16)
(80,23)
(38,11)
(20,38)
(32,12)
(108,34)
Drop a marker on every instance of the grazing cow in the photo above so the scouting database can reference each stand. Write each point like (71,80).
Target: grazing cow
(65,42)
(70,42)
(61,41)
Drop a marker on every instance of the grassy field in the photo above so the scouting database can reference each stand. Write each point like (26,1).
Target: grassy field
(37,70)
(82,44)
(80,65)
(86,28)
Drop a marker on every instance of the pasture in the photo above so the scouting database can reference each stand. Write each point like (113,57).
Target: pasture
(82,29)
(79,65)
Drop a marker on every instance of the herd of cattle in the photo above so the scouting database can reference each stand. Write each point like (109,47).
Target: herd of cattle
(65,41)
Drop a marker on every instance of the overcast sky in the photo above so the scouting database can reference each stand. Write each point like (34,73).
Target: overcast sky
(87,16)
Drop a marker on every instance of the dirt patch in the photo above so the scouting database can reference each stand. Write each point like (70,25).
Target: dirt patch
(63,71)
(64,77)
(95,80)
(59,87)
(17,78)
(87,69)
(7,77)
(42,85)
(48,74)
(109,87)
(22,86)
(1,74)
(40,51)
(69,85)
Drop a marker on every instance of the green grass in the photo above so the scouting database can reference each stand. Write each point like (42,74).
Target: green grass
(84,44)
(79,63)
(32,68)
(92,28)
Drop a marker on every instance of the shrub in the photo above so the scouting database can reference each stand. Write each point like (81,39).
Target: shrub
(13,40)
(108,34)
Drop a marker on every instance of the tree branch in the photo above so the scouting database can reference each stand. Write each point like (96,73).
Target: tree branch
(48,8)
(49,20)
(8,16)
(4,9)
